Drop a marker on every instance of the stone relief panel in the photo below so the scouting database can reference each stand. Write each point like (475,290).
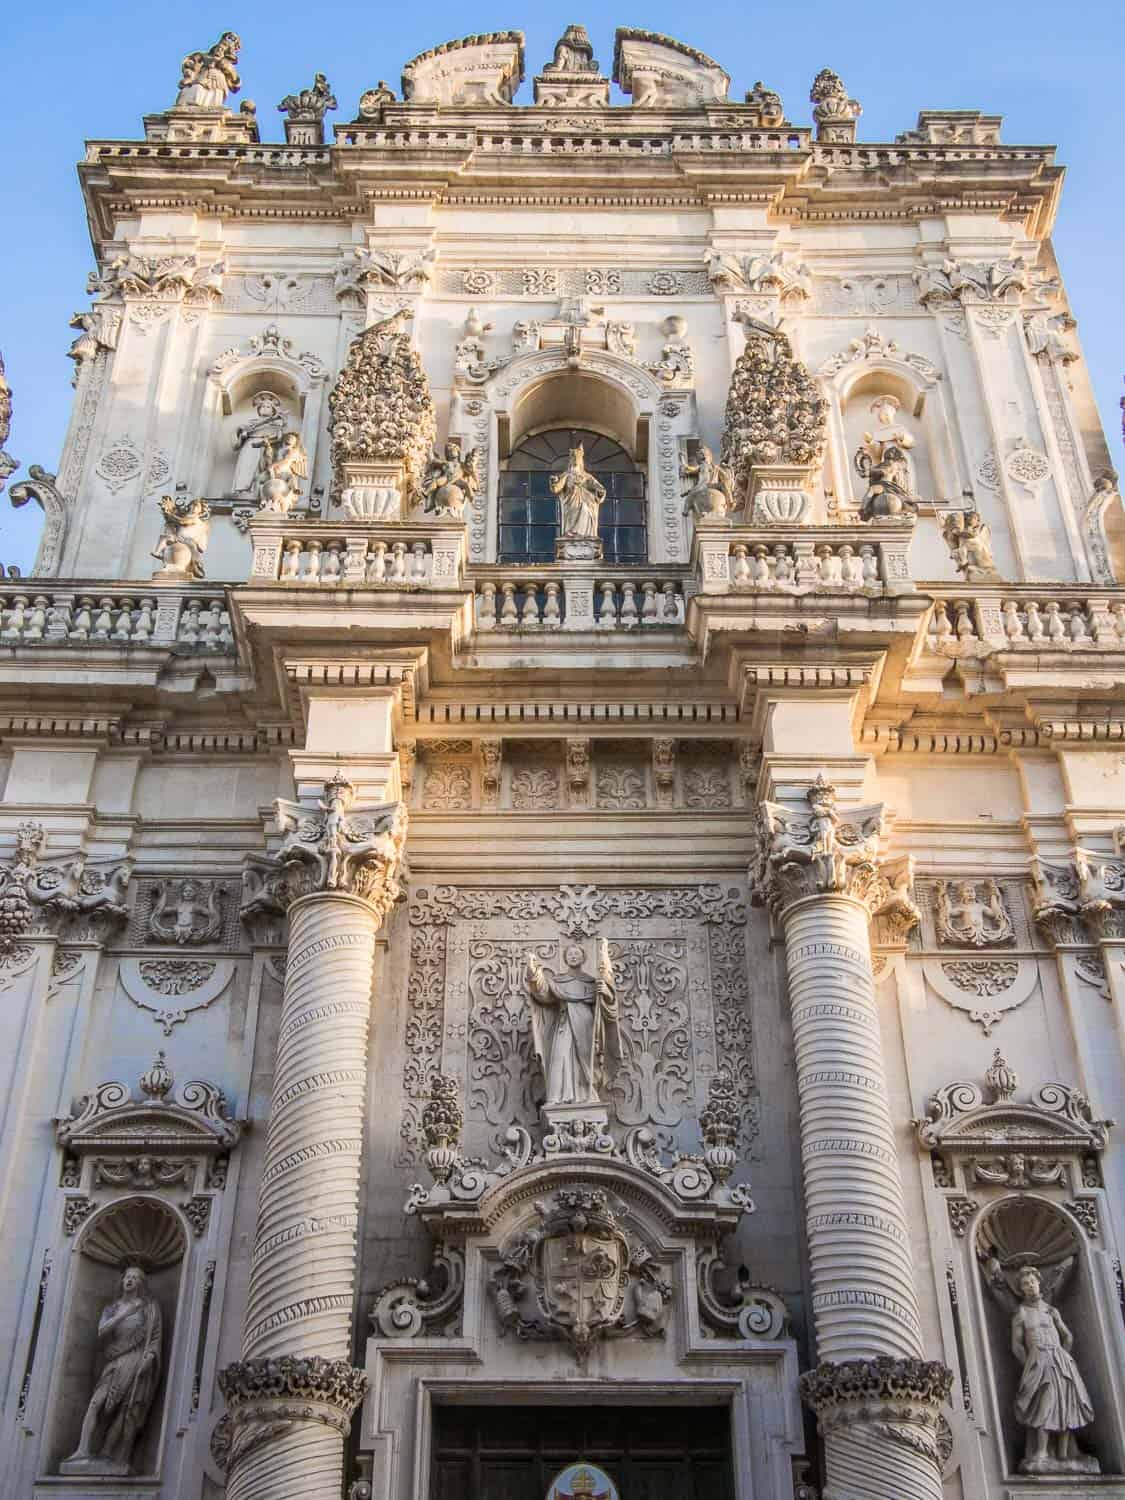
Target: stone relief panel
(679,969)
(192,912)
(620,777)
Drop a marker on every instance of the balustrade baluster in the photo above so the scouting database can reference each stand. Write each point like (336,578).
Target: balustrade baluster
(486,606)
(671,602)
(649,612)
(377,563)
(628,605)
(529,613)
(332,563)
(16,619)
(103,625)
(607,610)
(37,619)
(419,567)
(398,561)
(313,552)
(740,573)
(290,560)
(83,621)
(552,613)
(145,623)
(509,615)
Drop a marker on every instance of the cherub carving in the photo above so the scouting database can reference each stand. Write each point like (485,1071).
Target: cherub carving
(882,461)
(969,538)
(451,481)
(283,464)
(966,919)
(183,538)
(711,497)
(186,911)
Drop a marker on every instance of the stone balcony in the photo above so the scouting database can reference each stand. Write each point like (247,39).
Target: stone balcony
(190,618)
(782,560)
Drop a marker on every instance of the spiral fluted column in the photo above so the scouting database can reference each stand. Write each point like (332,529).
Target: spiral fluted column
(293,1393)
(877,1400)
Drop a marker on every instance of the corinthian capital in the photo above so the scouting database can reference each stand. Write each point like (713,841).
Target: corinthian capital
(328,849)
(826,852)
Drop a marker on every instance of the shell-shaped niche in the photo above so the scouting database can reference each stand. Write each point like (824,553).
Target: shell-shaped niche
(138,1233)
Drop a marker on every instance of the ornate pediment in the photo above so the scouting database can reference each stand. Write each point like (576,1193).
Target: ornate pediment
(111,1118)
(580,1230)
(1000,1141)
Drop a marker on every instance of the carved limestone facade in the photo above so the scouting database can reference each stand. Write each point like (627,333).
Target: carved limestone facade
(562,810)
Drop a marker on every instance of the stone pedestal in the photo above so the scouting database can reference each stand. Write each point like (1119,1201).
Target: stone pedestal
(292,1395)
(877,1400)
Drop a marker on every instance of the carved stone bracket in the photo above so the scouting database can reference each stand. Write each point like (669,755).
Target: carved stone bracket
(1085,896)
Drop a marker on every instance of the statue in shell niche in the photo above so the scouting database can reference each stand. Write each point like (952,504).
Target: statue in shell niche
(129,1347)
(582,1481)
(1028,1255)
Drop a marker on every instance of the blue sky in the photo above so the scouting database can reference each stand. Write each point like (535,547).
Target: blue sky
(72,72)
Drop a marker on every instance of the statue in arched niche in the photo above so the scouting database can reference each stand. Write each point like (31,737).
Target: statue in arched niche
(129,1348)
(574,1026)
(270,421)
(883,462)
(1052,1401)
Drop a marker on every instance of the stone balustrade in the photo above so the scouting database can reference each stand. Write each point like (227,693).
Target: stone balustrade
(800,559)
(1023,617)
(357,553)
(554,600)
(100,617)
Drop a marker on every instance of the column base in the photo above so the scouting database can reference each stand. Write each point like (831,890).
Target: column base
(301,1405)
(881,1423)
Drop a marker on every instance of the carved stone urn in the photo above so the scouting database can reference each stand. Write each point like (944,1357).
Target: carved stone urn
(779,494)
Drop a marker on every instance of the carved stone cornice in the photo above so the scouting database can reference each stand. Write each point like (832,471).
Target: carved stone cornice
(266,1396)
(328,850)
(823,852)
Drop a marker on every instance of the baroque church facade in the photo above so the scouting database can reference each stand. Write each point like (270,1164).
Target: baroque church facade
(562,920)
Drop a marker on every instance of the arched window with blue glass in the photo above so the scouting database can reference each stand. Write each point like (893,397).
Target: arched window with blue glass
(534,494)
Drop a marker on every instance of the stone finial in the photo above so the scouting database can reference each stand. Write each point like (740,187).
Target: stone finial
(442,1120)
(8,464)
(156,1082)
(775,414)
(383,420)
(834,113)
(1001,1079)
(305,111)
(206,78)
(719,1122)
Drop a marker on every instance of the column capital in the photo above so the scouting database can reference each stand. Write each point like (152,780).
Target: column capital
(824,851)
(265,1393)
(327,849)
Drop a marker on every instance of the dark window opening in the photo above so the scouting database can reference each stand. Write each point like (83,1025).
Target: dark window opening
(513,1452)
(529,513)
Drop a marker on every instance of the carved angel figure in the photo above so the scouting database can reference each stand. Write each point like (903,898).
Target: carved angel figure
(1052,1401)
(183,537)
(711,497)
(451,481)
(574,1026)
(206,78)
(969,538)
(129,1344)
(186,911)
(270,421)
(580,496)
(883,463)
(284,463)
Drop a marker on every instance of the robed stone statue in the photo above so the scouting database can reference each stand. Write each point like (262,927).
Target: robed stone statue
(574,1027)
(580,496)
(129,1347)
